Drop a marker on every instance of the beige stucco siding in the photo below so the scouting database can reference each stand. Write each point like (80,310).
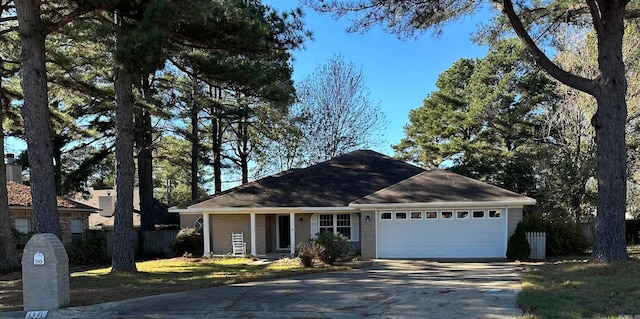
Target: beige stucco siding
(368,234)
(303,230)
(222,226)
(515,216)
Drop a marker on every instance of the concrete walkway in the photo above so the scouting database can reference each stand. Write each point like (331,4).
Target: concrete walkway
(388,289)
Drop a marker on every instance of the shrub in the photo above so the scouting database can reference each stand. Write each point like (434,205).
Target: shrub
(518,247)
(326,247)
(331,247)
(89,252)
(188,241)
(306,251)
(563,237)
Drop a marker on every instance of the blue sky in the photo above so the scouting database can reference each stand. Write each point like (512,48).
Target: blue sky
(399,74)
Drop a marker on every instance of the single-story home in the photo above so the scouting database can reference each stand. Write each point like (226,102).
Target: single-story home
(386,207)
(74,216)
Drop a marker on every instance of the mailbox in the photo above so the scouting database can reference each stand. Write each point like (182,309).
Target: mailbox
(38,259)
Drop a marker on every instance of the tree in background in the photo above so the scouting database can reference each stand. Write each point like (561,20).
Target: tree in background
(333,116)
(532,20)
(484,119)
(340,115)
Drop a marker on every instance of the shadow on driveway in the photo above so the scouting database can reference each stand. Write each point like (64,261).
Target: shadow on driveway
(388,289)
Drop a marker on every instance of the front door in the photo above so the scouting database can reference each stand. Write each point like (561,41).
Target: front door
(284,233)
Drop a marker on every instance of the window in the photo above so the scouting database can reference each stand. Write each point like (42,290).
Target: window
(431,215)
(76,232)
(494,214)
(462,214)
(22,225)
(447,214)
(385,216)
(401,215)
(336,223)
(344,225)
(326,223)
(416,215)
(478,214)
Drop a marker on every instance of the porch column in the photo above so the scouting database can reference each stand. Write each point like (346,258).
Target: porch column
(253,235)
(292,222)
(206,233)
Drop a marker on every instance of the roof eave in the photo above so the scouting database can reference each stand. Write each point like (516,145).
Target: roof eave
(502,203)
(200,210)
(68,209)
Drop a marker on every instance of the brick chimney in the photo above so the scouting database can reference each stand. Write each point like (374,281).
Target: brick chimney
(14,170)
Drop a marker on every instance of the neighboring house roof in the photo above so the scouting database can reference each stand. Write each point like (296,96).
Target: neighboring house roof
(334,183)
(97,221)
(19,195)
(440,186)
(92,196)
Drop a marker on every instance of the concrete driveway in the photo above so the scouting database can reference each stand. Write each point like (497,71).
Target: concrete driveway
(388,289)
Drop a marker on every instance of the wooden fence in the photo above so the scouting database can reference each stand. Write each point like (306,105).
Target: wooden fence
(153,243)
(538,243)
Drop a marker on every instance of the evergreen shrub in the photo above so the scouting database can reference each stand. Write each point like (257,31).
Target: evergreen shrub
(518,247)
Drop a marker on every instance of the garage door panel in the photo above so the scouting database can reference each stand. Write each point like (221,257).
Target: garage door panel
(442,238)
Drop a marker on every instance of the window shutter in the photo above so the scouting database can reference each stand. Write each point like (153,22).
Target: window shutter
(314,225)
(355,227)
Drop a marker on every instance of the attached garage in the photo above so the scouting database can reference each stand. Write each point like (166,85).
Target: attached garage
(446,233)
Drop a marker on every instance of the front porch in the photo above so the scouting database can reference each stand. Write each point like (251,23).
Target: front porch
(276,234)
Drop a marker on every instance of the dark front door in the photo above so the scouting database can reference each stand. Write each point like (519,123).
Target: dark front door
(284,233)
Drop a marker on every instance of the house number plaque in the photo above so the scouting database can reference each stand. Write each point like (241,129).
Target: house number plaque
(38,259)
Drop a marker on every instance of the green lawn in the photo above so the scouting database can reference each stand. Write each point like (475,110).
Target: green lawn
(97,285)
(574,288)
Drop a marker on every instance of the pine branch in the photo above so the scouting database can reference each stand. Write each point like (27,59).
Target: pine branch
(583,84)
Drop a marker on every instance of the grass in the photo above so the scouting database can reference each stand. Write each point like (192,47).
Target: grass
(97,285)
(576,288)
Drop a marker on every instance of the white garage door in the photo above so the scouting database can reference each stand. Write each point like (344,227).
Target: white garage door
(442,234)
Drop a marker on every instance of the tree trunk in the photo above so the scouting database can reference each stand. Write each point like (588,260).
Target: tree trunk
(216,142)
(57,167)
(123,257)
(144,139)
(195,141)
(35,112)
(243,148)
(609,123)
(8,251)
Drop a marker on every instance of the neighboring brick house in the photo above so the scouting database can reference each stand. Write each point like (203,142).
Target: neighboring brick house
(74,216)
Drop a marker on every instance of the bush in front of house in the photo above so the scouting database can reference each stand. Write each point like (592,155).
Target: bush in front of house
(332,246)
(518,247)
(564,237)
(306,251)
(188,241)
(326,247)
(89,252)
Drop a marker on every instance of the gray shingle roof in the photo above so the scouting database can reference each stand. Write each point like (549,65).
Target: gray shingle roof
(439,185)
(360,177)
(334,183)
